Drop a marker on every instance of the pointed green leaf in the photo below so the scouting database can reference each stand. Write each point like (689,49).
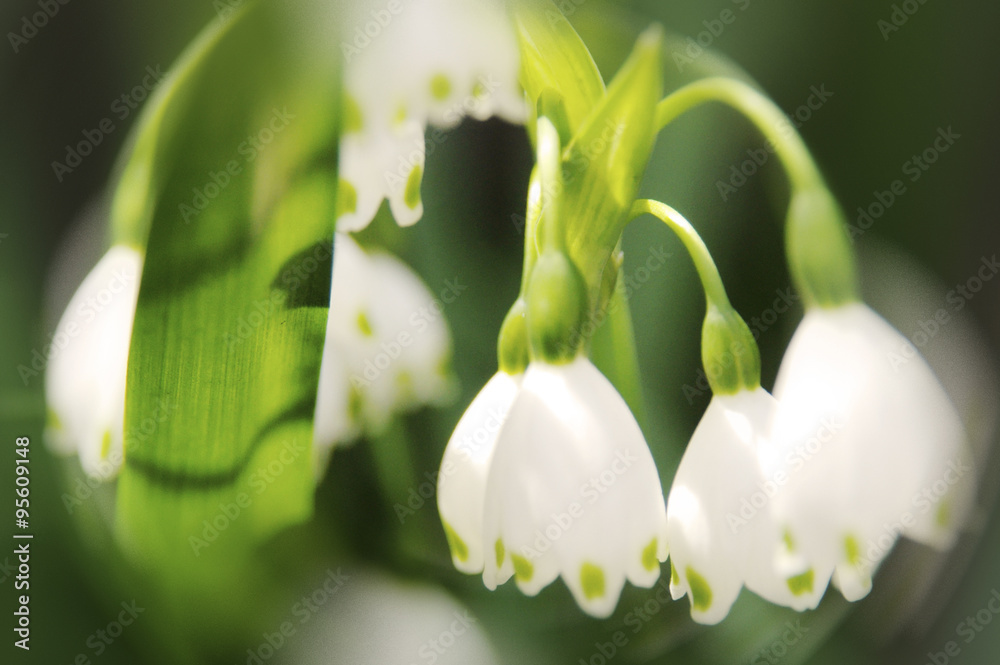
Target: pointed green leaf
(231,318)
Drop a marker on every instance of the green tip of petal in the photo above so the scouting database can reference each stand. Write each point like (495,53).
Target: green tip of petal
(943,515)
(853,550)
(458,548)
(675,577)
(106,444)
(802,584)
(701,592)
(364,324)
(501,552)
(400,114)
(649,560)
(347,198)
(592,581)
(411,196)
(523,569)
(440,87)
(353,119)
(789,541)
(355,404)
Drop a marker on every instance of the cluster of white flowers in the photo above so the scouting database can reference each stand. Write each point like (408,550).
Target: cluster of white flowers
(548,474)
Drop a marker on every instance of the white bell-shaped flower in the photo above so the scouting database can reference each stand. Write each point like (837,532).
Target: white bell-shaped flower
(461,483)
(407,66)
(871,445)
(85,376)
(572,490)
(720,529)
(387,345)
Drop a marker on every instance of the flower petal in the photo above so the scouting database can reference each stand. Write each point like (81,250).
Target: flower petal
(573,489)
(461,486)
(85,376)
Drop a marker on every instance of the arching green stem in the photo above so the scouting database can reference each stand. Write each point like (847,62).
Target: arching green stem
(728,349)
(761,111)
(819,251)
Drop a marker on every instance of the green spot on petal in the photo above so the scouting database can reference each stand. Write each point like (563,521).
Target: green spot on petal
(400,114)
(701,592)
(440,87)
(500,551)
(404,381)
(523,570)
(106,444)
(592,581)
(364,325)
(478,90)
(675,577)
(801,584)
(353,118)
(458,548)
(649,560)
(53,419)
(853,550)
(347,198)
(355,404)
(789,541)
(411,196)
(943,515)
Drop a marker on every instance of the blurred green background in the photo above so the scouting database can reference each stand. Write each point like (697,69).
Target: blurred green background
(891,93)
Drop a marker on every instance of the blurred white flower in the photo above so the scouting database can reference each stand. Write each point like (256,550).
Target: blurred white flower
(85,376)
(387,346)
(461,486)
(720,530)
(896,464)
(572,490)
(430,62)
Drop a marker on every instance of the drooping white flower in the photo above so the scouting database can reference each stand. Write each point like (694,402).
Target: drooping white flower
(573,491)
(85,376)
(465,465)
(720,529)
(386,350)
(864,434)
(431,62)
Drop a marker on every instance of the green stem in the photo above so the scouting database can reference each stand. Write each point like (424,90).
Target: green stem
(761,111)
(550,176)
(708,272)
(728,349)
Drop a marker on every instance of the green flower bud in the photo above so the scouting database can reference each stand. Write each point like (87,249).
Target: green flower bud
(729,352)
(513,352)
(557,308)
(819,251)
